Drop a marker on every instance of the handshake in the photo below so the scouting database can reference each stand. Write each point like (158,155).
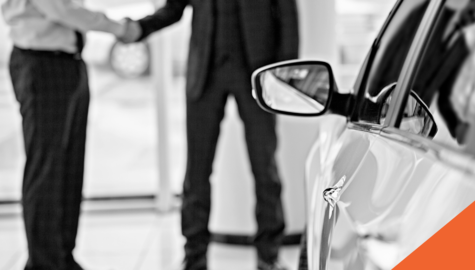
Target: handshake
(131,31)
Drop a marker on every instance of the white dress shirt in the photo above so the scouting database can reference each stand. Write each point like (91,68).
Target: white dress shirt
(51,24)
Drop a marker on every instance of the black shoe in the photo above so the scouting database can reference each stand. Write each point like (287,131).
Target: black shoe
(74,266)
(262,265)
(194,264)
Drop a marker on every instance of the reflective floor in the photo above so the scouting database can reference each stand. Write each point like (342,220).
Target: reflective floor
(132,241)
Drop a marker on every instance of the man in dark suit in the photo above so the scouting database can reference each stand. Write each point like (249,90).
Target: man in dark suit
(229,40)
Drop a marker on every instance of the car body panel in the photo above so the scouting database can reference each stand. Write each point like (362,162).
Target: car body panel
(336,154)
(393,199)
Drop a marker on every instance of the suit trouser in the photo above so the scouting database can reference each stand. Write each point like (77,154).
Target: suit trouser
(203,126)
(53,93)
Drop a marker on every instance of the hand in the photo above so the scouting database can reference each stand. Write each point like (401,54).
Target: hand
(132,33)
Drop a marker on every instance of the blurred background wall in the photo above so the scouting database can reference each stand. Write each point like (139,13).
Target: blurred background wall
(136,136)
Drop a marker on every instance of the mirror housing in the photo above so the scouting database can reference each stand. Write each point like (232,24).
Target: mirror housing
(296,87)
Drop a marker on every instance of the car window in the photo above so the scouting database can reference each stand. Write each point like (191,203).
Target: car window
(446,77)
(391,51)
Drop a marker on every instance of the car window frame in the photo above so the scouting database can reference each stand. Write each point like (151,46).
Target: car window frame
(365,70)
(447,154)
(408,72)
(412,63)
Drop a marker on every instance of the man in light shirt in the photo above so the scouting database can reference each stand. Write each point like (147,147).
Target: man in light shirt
(50,83)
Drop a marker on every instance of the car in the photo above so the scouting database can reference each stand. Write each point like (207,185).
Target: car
(394,158)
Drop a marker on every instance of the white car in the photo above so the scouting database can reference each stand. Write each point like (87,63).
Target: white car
(394,159)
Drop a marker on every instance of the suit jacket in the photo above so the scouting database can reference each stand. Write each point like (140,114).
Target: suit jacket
(269,30)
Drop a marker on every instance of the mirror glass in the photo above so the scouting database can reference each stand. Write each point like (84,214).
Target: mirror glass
(416,118)
(300,89)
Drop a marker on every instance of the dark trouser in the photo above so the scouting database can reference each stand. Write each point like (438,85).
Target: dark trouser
(203,122)
(53,94)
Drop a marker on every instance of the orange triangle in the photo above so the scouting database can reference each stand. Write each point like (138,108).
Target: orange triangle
(452,247)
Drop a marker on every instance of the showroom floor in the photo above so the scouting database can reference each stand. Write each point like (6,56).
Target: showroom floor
(141,240)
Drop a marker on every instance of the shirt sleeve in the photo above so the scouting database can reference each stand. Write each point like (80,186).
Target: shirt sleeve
(74,15)
(170,13)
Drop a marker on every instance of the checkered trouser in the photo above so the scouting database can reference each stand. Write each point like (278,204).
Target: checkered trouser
(54,97)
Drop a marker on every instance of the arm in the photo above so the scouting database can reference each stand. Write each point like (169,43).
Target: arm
(287,18)
(165,16)
(71,14)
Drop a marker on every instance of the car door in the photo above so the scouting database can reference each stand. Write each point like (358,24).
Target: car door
(376,188)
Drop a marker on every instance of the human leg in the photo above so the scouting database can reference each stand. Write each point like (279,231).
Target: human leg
(261,143)
(75,143)
(44,87)
(203,122)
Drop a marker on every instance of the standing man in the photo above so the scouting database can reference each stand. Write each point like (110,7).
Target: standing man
(229,40)
(50,82)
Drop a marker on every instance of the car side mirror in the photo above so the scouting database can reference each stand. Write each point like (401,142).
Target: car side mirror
(302,88)
(417,118)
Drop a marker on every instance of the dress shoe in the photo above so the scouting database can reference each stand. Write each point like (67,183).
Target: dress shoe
(262,265)
(192,267)
(194,264)
(73,265)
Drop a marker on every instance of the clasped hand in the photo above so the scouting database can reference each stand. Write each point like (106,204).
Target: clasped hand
(132,31)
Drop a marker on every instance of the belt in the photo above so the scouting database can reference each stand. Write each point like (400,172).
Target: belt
(76,56)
